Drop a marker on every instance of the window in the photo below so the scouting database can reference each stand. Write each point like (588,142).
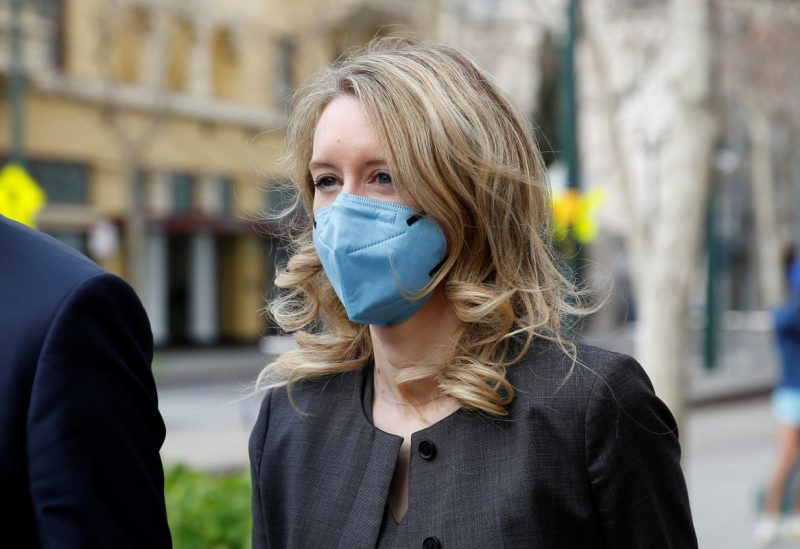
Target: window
(225,195)
(64,182)
(128,46)
(182,187)
(181,44)
(225,64)
(53,12)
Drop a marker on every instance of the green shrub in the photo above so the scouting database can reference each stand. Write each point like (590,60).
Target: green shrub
(208,511)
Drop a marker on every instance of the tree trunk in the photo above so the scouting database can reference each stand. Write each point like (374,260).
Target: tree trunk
(672,255)
(670,105)
(661,340)
(674,250)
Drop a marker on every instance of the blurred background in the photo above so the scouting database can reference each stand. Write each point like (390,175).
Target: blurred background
(144,133)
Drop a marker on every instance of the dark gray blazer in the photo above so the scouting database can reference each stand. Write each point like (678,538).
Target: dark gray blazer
(593,461)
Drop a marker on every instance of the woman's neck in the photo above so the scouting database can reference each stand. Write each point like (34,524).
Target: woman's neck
(427,337)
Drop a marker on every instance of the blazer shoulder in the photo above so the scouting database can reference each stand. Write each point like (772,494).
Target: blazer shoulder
(310,405)
(577,373)
(550,359)
(321,396)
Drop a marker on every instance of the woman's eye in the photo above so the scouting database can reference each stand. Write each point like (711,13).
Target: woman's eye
(325,182)
(383,178)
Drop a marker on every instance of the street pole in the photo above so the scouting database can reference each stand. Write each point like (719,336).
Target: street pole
(715,266)
(569,109)
(569,144)
(16,83)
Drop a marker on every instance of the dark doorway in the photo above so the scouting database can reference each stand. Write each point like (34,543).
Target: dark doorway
(178,288)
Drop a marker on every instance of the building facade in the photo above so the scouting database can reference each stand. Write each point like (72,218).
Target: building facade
(154,127)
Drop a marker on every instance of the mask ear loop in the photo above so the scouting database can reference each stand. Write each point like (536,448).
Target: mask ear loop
(406,295)
(437,267)
(414,218)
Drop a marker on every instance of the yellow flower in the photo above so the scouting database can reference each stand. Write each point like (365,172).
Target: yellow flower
(576,212)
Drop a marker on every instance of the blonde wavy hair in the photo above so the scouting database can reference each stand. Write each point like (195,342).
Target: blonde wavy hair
(461,150)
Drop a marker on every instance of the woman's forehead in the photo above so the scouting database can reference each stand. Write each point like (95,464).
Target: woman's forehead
(344,130)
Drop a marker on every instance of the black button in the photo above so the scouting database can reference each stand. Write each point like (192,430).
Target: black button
(427,450)
(431,542)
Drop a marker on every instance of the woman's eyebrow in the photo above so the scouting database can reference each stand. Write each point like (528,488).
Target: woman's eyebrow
(324,164)
(318,164)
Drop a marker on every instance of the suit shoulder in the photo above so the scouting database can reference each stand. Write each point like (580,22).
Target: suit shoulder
(43,281)
(107,292)
(40,255)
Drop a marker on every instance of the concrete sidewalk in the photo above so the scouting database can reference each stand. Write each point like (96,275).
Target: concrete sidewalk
(747,365)
(728,452)
(206,365)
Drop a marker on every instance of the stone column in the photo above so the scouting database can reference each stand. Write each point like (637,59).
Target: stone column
(155,298)
(157,193)
(208,194)
(203,288)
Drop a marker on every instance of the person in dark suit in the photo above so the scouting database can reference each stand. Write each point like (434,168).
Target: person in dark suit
(432,400)
(80,430)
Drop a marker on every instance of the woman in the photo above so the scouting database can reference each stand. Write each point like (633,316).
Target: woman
(432,401)
(780,515)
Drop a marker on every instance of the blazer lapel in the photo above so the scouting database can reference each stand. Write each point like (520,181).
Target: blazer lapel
(363,524)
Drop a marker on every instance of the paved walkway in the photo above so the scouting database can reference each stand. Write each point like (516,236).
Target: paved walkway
(728,451)
(747,364)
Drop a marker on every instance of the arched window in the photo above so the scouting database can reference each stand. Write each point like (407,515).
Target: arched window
(179,54)
(129,46)
(225,65)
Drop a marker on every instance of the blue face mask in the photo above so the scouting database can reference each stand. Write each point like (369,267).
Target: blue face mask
(376,254)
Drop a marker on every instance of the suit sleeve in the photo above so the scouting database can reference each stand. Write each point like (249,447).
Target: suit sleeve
(257,441)
(633,460)
(94,429)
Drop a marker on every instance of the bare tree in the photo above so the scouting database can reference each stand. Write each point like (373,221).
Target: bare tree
(133,137)
(650,84)
(507,37)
